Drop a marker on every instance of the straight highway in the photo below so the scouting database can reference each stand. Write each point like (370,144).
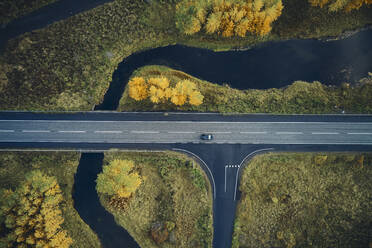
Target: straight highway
(156,131)
(237,138)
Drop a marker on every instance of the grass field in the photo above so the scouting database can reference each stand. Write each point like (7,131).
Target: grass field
(62,165)
(174,190)
(300,97)
(305,200)
(12,9)
(69,64)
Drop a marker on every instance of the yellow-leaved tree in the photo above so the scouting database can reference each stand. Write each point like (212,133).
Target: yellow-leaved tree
(138,89)
(118,179)
(185,90)
(228,17)
(336,5)
(159,89)
(32,215)
(196,98)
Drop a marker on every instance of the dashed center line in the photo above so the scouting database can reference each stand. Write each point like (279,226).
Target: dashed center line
(108,131)
(289,132)
(180,132)
(323,133)
(6,131)
(144,131)
(35,131)
(253,132)
(361,133)
(70,131)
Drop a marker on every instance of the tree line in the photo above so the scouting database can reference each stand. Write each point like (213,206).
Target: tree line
(336,5)
(159,90)
(30,216)
(239,17)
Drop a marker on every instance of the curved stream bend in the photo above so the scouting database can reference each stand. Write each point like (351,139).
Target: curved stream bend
(87,204)
(270,65)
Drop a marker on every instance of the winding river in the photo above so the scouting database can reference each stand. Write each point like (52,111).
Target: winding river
(270,65)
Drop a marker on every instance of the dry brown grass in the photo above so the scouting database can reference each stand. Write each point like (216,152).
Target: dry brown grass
(168,193)
(305,200)
(62,165)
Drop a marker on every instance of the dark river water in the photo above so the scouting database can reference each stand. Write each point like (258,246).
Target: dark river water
(271,65)
(90,209)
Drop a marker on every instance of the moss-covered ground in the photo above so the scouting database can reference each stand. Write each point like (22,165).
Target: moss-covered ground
(298,98)
(12,9)
(174,190)
(69,64)
(305,200)
(62,165)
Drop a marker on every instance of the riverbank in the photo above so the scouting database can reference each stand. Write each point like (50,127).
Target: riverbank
(13,9)
(174,193)
(305,199)
(297,98)
(62,166)
(69,64)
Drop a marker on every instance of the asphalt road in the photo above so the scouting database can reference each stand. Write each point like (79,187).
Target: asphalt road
(222,162)
(72,131)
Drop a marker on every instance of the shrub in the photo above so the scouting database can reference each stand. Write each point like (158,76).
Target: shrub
(336,5)
(197,178)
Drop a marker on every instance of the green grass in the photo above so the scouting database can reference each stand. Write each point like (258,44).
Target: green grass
(305,200)
(62,165)
(300,97)
(172,191)
(12,9)
(69,64)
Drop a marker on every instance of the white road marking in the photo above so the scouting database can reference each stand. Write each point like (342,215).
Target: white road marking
(253,132)
(144,131)
(71,131)
(205,164)
(35,131)
(241,163)
(289,132)
(202,122)
(225,177)
(361,133)
(323,133)
(6,131)
(180,132)
(108,131)
(229,166)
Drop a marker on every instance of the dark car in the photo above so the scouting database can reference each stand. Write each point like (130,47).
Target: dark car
(206,136)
